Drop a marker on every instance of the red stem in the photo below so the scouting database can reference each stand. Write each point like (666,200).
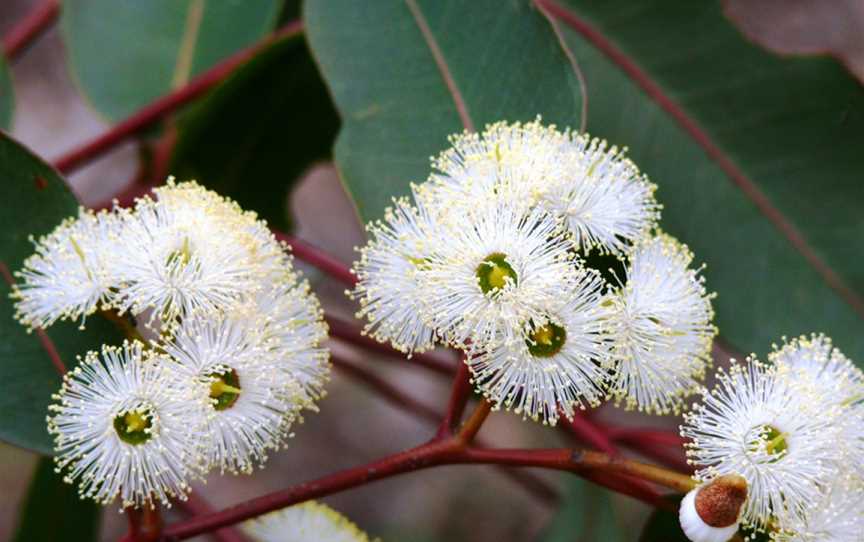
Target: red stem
(436,452)
(197,506)
(586,431)
(30,27)
(596,436)
(47,343)
(145,524)
(318,258)
(168,103)
(532,484)
(459,394)
(346,331)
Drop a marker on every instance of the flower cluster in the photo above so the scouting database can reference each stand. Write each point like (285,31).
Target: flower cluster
(235,356)
(793,429)
(499,253)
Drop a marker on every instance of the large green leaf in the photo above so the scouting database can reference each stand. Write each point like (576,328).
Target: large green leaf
(586,514)
(54,511)
(395,104)
(6,96)
(256,134)
(125,54)
(793,127)
(35,199)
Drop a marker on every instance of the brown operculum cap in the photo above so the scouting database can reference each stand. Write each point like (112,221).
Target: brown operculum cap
(719,502)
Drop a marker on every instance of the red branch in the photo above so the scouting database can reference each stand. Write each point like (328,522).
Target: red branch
(46,341)
(30,27)
(345,331)
(437,452)
(459,395)
(168,103)
(534,485)
(316,257)
(588,432)
(197,506)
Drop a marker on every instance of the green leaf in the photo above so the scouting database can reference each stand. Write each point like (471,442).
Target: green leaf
(254,136)
(54,511)
(586,514)
(794,128)
(7,99)
(35,201)
(396,107)
(126,54)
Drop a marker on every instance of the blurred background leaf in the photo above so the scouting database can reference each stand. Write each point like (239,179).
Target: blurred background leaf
(587,514)
(7,100)
(125,54)
(396,108)
(54,511)
(253,137)
(36,200)
(794,127)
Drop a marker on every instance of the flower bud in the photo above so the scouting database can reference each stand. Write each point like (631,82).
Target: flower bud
(711,512)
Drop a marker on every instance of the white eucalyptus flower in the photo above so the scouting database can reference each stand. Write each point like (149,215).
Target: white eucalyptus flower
(387,287)
(604,199)
(663,328)
(497,267)
(294,330)
(841,382)
(561,362)
(69,275)
(252,400)
(189,251)
(773,427)
(837,517)
(310,521)
(125,426)
(469,172)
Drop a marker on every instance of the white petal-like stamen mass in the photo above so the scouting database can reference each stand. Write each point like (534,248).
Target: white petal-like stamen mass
(310,521)
(837,517)
(69,276)
(499,266)
(559,365)
(663,328)
(294,330)
(188,251)
(252,399)
(387,287)
(125,426)
(841,382)
(469,172)
(605,201)
(773,427)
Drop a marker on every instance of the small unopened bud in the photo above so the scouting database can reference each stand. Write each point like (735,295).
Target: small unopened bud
(711,512)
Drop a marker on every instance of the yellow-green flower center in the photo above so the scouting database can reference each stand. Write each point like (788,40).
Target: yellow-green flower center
(547,340)
(133,427)
(181,256)
(776,444)
(494,272)
(224,389)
